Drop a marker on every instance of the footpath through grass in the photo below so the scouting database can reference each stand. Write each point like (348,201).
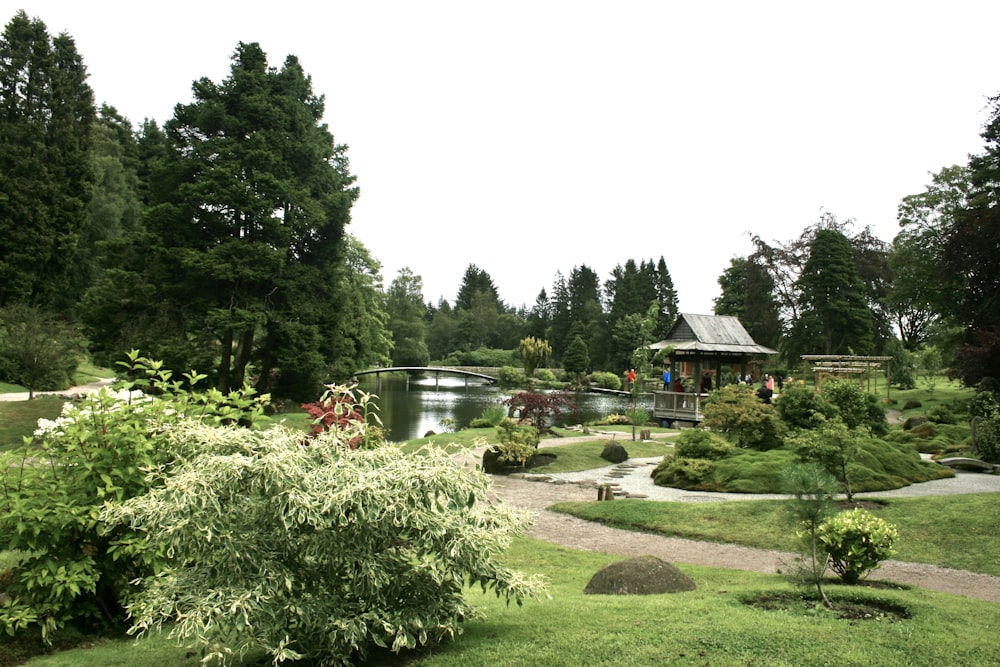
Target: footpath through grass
(961,532)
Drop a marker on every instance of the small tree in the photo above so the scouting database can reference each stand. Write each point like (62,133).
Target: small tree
(576,359)
(855,406)
(534,354)
(38,350)
(539,409)
(813,490)
(832,446)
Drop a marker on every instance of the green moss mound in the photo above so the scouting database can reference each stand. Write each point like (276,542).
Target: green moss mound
(645,575)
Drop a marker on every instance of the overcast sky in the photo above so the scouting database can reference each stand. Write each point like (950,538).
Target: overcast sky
(529,138)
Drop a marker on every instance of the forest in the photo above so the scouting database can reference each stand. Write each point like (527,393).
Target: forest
(219,241)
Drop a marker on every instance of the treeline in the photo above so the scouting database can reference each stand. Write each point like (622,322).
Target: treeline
(218,241)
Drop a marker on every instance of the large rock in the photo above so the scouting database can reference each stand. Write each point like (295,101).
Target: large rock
(645,575)
(614,452)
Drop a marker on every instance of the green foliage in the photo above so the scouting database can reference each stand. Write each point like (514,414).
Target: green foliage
(484,356)
(987,439)
(319,553)
(37,350)
(856,542)
(576,359)
(492,415)
(813,491)
(942,414)
(695,474)
(801,406)
(534,353)
(833,446)
(546,376)
(856,407)
(78,567)
(638,416)
(518,442)
(339,406)
(606,380)
(694,443)
(510,376)
(737,413)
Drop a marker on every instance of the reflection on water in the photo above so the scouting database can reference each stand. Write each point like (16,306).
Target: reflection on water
(411,408)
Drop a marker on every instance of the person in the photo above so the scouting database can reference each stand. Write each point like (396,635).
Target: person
(706,383)
(630,378)
(666,378)
(765,392)
(678,385)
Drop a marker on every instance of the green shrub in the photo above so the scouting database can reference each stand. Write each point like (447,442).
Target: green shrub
(606,380)
(545,375)
(319,553)
(856,407)
(78,569)
(694,443)
(987,439)
(492,415)
(942,414)
(803,407)
(638,416)
(485,356)
(856,541)
(518,442)
(509,376)
(834,446)
(737,413)
(694,474)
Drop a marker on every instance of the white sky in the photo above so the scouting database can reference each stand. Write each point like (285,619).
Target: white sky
(532,137)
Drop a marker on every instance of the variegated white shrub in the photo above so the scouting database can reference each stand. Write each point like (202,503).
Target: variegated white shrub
(316,551)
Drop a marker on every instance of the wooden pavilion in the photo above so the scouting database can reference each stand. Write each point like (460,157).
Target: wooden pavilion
(702,347)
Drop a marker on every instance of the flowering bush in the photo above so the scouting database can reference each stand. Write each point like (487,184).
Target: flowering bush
(77,567)
(856,541)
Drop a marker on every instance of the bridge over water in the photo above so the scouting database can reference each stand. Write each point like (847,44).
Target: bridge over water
(427,370)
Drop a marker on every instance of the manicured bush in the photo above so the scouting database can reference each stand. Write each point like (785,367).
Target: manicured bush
(744,420)
(606,380)
(856,541)
(803,407)
(518,442)
(509,376)
(318,552)
(694,474)
(856,407)
(545,375)
(694,443)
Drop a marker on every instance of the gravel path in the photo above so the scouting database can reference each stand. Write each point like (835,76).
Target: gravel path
(537,492)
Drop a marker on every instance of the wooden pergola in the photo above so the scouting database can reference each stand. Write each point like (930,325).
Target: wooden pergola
(864,368)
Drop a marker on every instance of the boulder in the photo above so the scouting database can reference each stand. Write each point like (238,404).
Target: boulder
(645,575)
(614,452)
(913,422)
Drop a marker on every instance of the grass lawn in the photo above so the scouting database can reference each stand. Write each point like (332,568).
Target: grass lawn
(961,532)
(20,418)
(711,626)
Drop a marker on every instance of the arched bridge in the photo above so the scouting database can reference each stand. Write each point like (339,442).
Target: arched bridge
(436,370)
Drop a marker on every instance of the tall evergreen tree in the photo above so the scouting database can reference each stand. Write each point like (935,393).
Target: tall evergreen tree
(46,118)
(474,281)
(834,316)
(244,232)
(748,294)
(404,303)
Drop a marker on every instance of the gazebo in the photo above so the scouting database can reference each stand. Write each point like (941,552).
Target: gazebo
(703,345)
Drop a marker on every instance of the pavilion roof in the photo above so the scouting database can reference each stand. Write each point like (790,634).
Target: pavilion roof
(713,334)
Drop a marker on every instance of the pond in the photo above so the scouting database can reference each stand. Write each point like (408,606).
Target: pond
(409,409)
